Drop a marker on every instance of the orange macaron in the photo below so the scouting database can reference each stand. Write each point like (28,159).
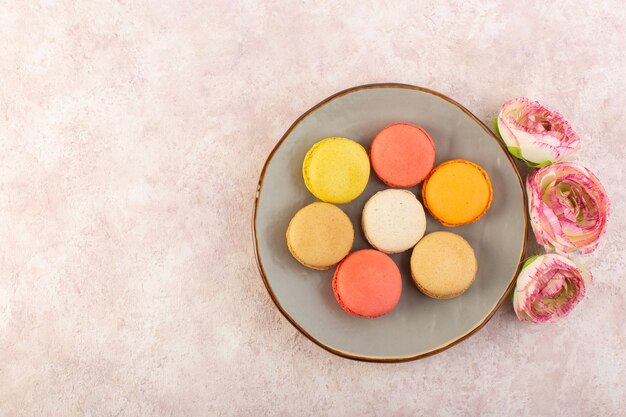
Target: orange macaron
(457,192)
(402,155)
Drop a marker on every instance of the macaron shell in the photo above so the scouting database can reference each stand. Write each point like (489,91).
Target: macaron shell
(336,170)
(320,235)
(443,265)
(367,283)
(402,155)
(457,192)
(393,220)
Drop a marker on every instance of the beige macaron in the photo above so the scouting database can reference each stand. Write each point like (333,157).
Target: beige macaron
(443,265)
(393,220)
(320,235)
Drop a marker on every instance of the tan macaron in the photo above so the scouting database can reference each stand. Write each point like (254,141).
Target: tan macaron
(443,265)
(320,235)
(393,220)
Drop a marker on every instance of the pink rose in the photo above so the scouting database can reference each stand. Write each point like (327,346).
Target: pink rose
(568,208)
(548,288)
(534,133)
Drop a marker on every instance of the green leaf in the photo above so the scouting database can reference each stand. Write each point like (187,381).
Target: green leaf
(529,261)
(541,165)
(495,128)
(515,151)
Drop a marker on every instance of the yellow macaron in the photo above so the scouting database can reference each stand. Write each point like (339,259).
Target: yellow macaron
(320,235)
(457,192)
(443,265)
(336,170)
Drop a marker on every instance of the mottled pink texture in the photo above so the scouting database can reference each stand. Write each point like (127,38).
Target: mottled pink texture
(535,133)
(568,208)
(132,135)
(548,288)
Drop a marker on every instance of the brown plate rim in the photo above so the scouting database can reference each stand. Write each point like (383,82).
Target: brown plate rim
(256,242)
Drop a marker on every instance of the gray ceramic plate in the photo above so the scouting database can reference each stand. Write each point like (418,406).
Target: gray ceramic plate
(419,326)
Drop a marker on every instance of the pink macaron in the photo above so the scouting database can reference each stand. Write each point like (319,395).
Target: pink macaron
(367,283)
(402,155)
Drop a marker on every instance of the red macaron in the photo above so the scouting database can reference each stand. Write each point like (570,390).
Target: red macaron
(367,283)
(402,155)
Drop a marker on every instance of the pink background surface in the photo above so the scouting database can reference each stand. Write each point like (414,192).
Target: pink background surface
(131,139)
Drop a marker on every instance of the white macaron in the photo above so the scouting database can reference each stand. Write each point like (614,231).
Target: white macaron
(393,220)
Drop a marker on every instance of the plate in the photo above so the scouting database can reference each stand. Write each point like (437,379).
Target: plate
(419,326)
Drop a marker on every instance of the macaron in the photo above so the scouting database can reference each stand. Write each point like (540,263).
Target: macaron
(336,170)
(443,265)
(393,220)
(457,192)
(367,283)
(320,235)
(402,155)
